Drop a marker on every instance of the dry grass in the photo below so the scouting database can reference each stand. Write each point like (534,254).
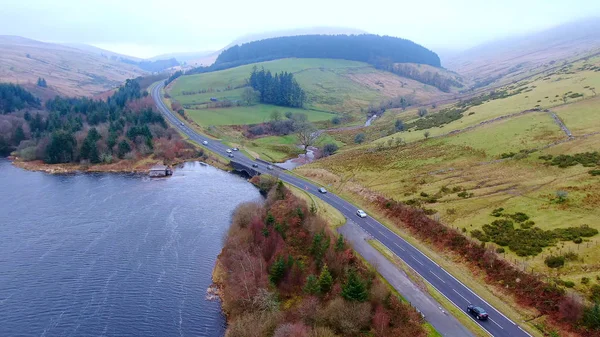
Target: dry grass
(67,71)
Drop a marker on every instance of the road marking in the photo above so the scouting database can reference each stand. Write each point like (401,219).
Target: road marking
(417,260)
(496,323)
(461,295)
(380,232)
(397,245)
(439,278)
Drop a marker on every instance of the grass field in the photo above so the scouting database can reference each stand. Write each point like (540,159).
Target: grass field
(331,85)
(243,115)
(280,148)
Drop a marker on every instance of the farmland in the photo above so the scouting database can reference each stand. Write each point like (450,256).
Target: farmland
(510,163)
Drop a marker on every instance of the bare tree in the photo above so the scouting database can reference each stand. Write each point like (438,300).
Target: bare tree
(307,134)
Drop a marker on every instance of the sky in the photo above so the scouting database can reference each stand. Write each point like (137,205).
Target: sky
(145,28)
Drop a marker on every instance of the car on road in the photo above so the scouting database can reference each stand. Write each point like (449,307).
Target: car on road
(270,167)
(361,213)
(228,150)
(322,190)
(205,142)
(477,312)
(230,155)
(255,165)
(235,149)
(181,123)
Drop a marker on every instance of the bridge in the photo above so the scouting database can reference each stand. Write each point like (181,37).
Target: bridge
(239,167)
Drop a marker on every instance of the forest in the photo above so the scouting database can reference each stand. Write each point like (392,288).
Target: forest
(13,97)
(83,130)
(281,89)
(283,272)
(367,48)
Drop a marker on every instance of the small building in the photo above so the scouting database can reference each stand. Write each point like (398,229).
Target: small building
(160,171)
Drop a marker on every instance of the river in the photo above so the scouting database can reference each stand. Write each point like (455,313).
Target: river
(113,254)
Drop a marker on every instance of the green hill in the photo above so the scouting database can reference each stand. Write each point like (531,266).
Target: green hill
(334,86)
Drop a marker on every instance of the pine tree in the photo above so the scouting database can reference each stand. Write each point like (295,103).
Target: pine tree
(340,244)
(325,280)
(354,289)
(124,148)
(312,285)
(277,270)
(19,135)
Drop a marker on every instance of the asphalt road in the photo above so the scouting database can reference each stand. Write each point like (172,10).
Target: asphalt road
(497,325)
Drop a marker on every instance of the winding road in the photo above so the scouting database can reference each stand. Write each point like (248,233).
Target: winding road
(460,295)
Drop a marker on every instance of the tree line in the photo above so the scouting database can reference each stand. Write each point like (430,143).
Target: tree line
(125,126)
(13,97)
(281,89)
(441,82)
(367,48)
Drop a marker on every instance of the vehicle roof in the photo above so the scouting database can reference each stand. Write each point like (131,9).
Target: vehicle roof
(480,309)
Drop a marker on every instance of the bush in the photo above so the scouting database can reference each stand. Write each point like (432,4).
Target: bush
(570,256)
(329,149)
(527,224)
(422,112)
(554,261)
(507,155)
(336,120)
(585,280)
(500,250)
(594,172)
(359,138)
(497,212)
(569,284)
(424,195)
(578,240)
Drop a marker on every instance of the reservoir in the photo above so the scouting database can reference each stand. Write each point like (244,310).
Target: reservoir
(113,254)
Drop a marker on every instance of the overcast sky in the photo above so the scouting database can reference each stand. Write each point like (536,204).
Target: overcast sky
(145,28)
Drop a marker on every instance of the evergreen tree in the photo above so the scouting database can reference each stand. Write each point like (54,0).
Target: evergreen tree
(340,244)
(19,135)
(325,280)
(124,148)
(312,285)
(319,246)
(61,147)
(354,289)
(399,125)
(277,270)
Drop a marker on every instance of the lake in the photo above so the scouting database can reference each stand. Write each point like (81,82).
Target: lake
(113,254)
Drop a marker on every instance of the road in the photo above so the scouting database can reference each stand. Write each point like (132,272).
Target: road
(460,295)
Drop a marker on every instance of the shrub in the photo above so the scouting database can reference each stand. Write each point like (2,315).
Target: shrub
(500,250)
(424,195)
(422,112)
(585,280)
(359,138)
(569,284)
(399,125)
(329,149)
(257,130)
(465,194)
(578,240)
(570,256)
(507,155)
(519,217)
(426,134)
(561,196)
(336,120)
(595,293)
(594,172)
(554,261)
(527,224)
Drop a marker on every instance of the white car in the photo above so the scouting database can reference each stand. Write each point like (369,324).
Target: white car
(270,167)
(361,213)
(235,149)
(228,150)
(322,190)
(205,142)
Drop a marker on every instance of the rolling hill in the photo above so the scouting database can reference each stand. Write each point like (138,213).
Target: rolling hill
(517,57)
(67,70)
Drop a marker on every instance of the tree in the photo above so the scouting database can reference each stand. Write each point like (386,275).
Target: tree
(426,134)
(561,196)
(61,147)
(276,116)
(19,135)
(312,285)
(329,149)
(250,96)
(307,134)
(124,148)
(277,270)
(359,138)
(41,82)
(354,289)
(591,317)
(422,112)
(399,125)
(340,244)
(336,120)
(325,280)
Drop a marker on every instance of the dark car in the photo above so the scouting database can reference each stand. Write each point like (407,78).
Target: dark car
(477,312)
(255,165)
(230,155)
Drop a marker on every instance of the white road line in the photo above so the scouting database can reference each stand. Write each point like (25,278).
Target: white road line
(496,323)
(380,232)
(439,278)
(397,245)
(417,260)
(461,295)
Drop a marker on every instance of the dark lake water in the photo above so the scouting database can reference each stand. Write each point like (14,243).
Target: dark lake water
(113,255)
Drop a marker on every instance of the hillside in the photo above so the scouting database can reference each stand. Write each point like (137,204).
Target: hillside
(331,85)
(516,168)
(514,58)
(66,70)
